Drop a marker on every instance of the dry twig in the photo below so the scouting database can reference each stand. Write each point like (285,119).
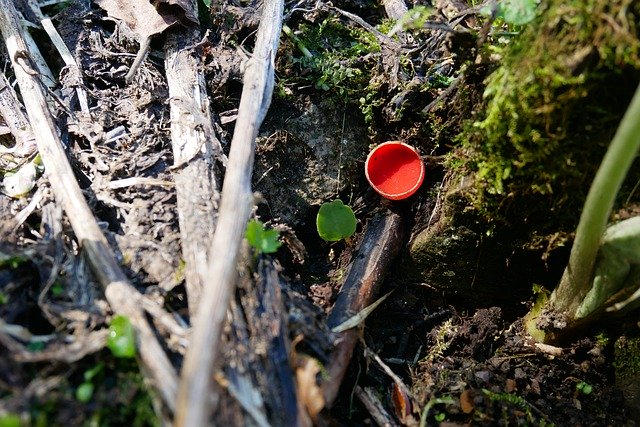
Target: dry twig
(235,208)
(375,407)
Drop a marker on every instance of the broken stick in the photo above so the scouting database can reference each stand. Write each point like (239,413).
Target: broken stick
(381,244)
(122,297)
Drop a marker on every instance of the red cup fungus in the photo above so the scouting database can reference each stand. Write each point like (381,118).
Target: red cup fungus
(395,170)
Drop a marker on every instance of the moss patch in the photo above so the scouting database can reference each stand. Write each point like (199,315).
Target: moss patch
(627,368)
(551,109)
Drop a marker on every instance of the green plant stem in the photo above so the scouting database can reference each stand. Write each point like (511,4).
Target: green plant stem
(576,280)
(299,43)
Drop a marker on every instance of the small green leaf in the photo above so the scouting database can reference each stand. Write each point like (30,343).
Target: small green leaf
(270,242)
(91,373)
(57,289)
(264,241)
(35,346)
(122,339)
(515,12)
(84,392)
(584,388)
(335,221)
(518,12)
(10,420)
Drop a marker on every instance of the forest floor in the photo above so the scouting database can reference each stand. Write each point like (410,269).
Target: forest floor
(424,356)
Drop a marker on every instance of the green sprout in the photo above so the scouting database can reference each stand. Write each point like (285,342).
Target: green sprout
(84,392)
(514,12)
(445,400)
(122,337)
(335,221)
(262,240)
(584,388)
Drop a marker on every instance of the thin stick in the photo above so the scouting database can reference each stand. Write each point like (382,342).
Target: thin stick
(122,297)
(235,208)
(69,61)
(137,62)
(376,409)
(382,242)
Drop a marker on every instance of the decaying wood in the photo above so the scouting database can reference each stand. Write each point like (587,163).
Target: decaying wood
(381,244)
(375,407)
(256,356)
(122,297)
(14,118)
(195,149)
(235,208)
(395,9)
(11,337)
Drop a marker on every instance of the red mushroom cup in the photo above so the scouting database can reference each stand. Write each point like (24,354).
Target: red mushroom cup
(395,170)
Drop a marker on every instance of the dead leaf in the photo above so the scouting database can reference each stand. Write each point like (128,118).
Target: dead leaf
(401,403)
(466,402)
(535,386)
(510,385)
(145,21)
(309,393)
(139,16)
(185,10)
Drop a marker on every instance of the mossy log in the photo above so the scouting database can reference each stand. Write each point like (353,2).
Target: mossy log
(522,167)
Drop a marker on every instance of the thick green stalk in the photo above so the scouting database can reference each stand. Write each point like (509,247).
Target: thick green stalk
(576,280)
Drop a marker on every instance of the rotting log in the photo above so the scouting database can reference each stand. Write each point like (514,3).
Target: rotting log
(122,297)
(235,207)
(381,244)
(195,150)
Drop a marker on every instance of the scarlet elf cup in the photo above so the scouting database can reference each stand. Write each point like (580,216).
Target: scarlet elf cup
(395,170)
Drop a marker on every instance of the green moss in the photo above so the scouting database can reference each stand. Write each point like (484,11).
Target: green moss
(627,370)
(337,63)
(552,105)
(627,358)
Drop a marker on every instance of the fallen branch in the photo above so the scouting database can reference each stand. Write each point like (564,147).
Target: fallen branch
(195,148)
(235,208)
(376,409)
(381,243)
(123,298)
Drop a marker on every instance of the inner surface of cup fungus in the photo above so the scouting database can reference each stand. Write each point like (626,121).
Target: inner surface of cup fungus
(395,170)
